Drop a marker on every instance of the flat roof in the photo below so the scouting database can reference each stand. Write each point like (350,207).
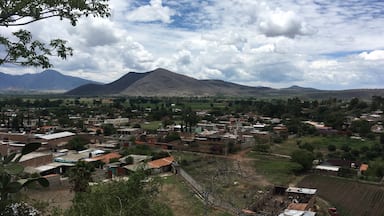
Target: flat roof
(33,155)
(135,167)
(328,168)
(301,190)
(46,167)
(289,212)
(55,135)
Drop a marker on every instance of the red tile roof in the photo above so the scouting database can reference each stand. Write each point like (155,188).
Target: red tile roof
(363,167)
(107,157)
(161,162)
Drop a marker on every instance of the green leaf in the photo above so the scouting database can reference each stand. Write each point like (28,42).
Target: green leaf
(9,158)
(14,168)
(41,180)
(5,179)
(13,187)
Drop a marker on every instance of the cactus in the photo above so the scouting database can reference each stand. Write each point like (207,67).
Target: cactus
(10,171)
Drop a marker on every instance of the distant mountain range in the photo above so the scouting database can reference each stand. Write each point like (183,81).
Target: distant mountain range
(48,80)
(161,82)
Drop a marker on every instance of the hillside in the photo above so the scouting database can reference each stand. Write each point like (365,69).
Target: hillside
(161,82)
(48,80)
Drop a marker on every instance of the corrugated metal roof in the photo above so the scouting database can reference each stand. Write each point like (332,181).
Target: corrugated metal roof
(55,135)
(301,190)
(328,168)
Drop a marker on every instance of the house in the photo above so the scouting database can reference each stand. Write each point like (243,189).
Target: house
(106,158)
(301,196)
(56,140)
(363,168)
(161,165)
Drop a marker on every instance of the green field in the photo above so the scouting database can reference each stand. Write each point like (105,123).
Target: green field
(320,143)
(276,170)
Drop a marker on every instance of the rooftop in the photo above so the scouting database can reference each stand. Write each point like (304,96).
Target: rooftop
(301,190)
(55,135)
(289,212)
(161,162)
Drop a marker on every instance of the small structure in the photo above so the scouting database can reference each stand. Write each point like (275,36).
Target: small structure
(327,169)
(302,196)
(106,158)
(289,212)
(161,165)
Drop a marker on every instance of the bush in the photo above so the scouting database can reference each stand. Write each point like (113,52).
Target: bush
(78,143)
(331,148)
(307,147)
(129,160)
(304,158)
(262,148)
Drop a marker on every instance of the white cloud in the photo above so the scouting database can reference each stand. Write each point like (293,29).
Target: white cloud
(155,11)
(374,55)
(272,43)
(277,22)
(321,64)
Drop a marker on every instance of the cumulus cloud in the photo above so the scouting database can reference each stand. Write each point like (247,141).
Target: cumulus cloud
(277,22)
(374,55)
(271,43)
(155,11)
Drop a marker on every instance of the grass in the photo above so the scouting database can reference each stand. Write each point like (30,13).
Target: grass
(153,125)
(320,143)
(278,171)
(182,200)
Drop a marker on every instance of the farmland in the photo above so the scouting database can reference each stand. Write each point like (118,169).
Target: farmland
(351,198)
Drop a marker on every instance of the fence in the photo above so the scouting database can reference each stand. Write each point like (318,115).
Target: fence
(205,195)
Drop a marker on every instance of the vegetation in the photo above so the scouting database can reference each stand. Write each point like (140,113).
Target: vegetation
(277,170)
(77,143)
(304,158)
(10,175)
(135,196)
(80,175)
(20,48)
(349,197)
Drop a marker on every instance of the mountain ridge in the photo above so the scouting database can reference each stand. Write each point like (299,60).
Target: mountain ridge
(165,83)
(47,80)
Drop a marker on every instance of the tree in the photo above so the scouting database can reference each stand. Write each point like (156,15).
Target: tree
(331,147)
(80,175)
(134,196)
(108,129)
(10,171)
(20,48)
(304,158)
(78,143)
(361,126)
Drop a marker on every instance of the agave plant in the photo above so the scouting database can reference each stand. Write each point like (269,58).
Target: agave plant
(10,171)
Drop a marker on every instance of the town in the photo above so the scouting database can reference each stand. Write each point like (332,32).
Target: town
(238,156)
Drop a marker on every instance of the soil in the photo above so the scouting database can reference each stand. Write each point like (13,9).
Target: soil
(60,198)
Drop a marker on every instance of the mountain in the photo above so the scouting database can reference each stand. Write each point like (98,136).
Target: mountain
(162,82)
(48,80)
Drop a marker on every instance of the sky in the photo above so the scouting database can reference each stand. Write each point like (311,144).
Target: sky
(324,44)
